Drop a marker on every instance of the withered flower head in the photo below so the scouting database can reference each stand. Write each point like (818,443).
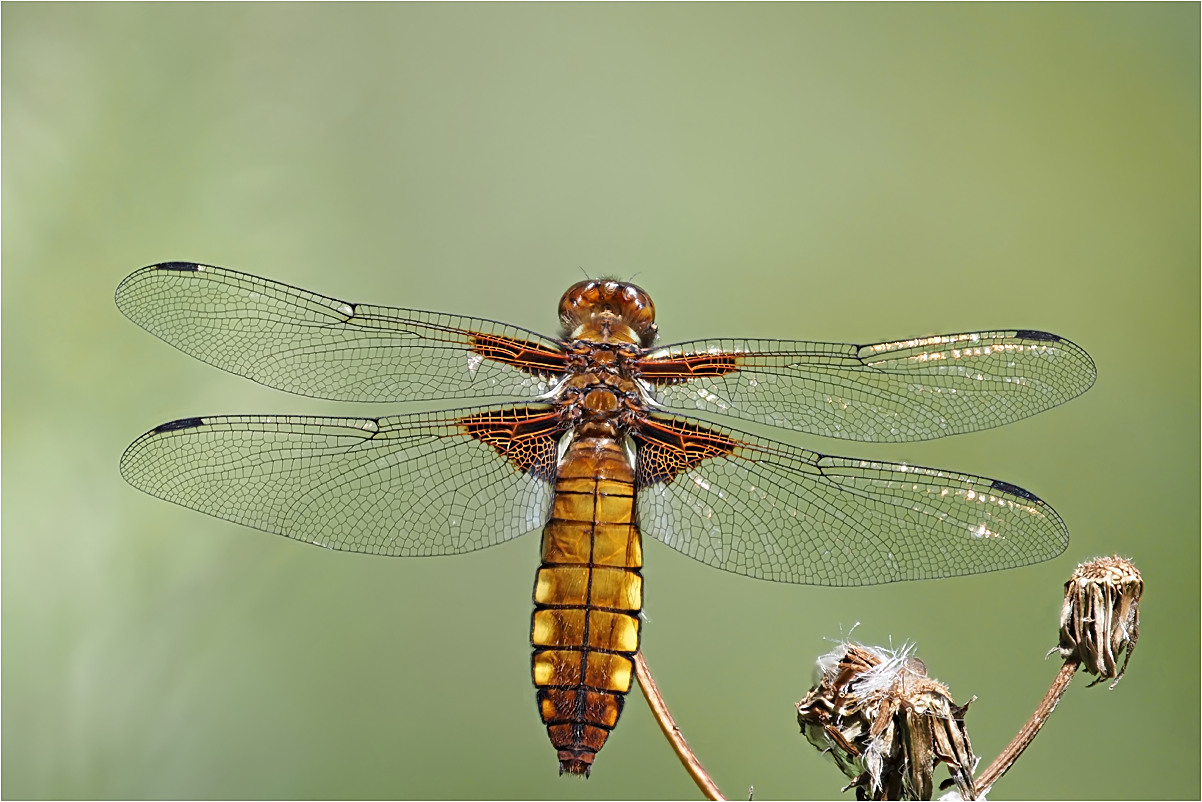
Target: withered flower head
(886,724)
(1100,617)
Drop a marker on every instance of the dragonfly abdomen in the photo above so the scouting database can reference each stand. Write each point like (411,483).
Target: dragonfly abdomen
(587,598)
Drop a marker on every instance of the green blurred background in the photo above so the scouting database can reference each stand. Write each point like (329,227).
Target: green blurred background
(838,172)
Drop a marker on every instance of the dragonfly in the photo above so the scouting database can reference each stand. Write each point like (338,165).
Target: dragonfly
(591,436)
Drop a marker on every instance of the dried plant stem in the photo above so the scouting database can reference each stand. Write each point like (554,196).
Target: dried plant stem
(681,747)
(1029,730)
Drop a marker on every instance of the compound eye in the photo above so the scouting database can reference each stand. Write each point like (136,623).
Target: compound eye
(575,297)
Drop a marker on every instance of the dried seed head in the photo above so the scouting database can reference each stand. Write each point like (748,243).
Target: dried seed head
(1100,617)
(886,724)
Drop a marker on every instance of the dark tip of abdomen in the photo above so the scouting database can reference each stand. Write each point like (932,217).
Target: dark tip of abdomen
(578,762)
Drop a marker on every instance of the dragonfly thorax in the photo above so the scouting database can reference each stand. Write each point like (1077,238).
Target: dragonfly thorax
(600,389)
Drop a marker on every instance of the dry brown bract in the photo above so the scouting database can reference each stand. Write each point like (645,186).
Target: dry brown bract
(1100,617)
(886,724)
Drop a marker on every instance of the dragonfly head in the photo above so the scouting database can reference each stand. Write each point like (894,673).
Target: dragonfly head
(608,310)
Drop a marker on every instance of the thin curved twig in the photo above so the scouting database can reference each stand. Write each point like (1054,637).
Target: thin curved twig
(1029,730)
(659,709)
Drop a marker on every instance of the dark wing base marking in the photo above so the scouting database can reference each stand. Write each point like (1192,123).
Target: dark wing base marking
(668,447)
(529,357)
(686,368)
(778,512)
(527,437)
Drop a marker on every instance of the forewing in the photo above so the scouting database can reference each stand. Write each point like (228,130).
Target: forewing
(306,343)
(906,390)
(407,485)
(764,509)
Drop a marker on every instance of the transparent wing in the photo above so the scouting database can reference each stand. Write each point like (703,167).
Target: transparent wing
(889,392)
(312,345)
(408,485)
(764,509)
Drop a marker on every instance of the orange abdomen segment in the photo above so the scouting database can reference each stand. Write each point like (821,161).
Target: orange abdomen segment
(587,598)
